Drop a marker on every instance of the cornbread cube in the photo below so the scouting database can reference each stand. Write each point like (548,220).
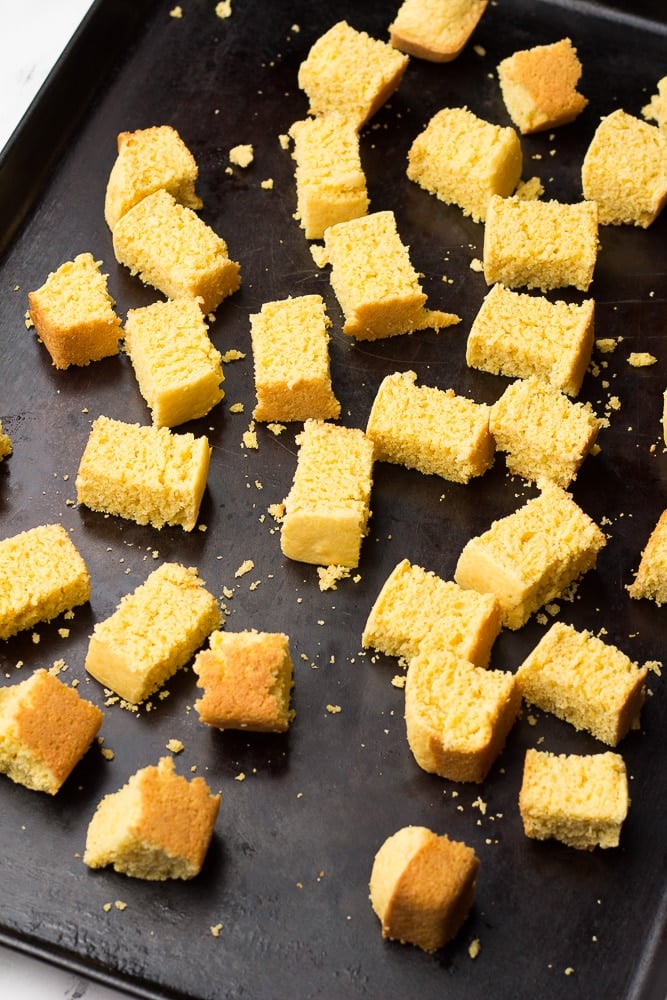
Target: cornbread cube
(146,474)
(625,170)
(247,679)
(545,435)
(327,508)
(152,633)
(178,369)
(374,280)
(656,109)
(42,574)
(457,715)
(147,160)
(74,315)
(290,344)
(651,577)
(585,681)
(539,86)
(540,244)
(414,605)
(158,826)
(464,160)
(348,71)
(429,429)
(522,335)
(435,30)
(171,248)
(580,800)
(45,729)
(422,887)
(5,444)
(531,556)
(330,181)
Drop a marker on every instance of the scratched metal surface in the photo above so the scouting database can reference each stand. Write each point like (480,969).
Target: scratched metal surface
(288,869)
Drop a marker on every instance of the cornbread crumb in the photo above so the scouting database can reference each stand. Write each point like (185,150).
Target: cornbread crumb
(176,746)
(422,887)
(330,576)
(641,359)
(656,109)
(435,31)
(474,948)
(5,444)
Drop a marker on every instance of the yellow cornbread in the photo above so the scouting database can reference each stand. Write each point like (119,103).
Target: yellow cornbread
(330,181)
(580,800)
(42,574)
(585,681)
(651,577)
(5,444)
(374,280)
(415,605)
(545,435)
(74,315)
(247,679)
(149,159)
(146,474)
(457,715)
(656,109)
(539,86)
(422,887)
(520,335)
(152,633)
(158,826)
(348,71)
(429,429)
(540,244)
(435,30)
(171,248)
(290,344)
(178,368)
(327,508)
(464,160)
(625,170)
(45,729)
(531,556)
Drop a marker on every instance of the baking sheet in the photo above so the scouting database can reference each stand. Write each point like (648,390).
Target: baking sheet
(287,874)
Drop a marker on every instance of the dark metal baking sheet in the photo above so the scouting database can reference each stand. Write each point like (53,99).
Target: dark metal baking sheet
(287,873)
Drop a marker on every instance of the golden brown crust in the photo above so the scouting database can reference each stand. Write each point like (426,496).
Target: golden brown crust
(539,86)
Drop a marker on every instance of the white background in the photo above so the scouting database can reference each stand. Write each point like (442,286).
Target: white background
(33,33)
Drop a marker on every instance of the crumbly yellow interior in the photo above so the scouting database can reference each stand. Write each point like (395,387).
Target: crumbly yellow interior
(650,580)
(430,429)
(153,632)
(463,160)
(42,574)
(539,86)
(522,335)
(585,681)
(579,800)
(178,368)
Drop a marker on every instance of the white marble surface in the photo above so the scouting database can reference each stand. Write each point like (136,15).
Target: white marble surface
(33,34)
